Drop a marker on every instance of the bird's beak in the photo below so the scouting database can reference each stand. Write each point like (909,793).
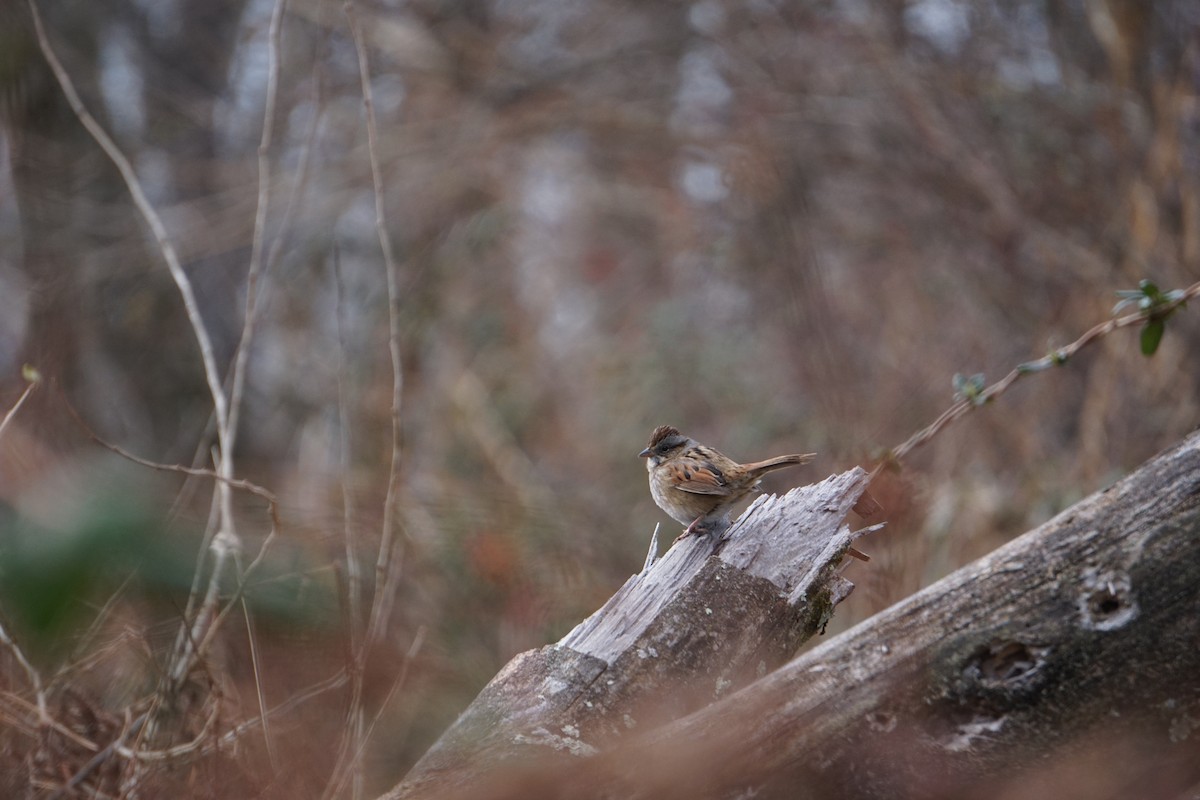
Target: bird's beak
(645,453)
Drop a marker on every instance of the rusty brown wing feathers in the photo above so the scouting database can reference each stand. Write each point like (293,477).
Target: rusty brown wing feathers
(701,476)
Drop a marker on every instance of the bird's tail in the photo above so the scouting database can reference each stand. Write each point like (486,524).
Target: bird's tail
(780,462)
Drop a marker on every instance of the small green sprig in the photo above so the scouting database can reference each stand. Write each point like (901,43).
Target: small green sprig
(970,388)
(1156,305)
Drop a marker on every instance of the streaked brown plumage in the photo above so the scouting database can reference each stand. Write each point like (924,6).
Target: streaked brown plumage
(696,484)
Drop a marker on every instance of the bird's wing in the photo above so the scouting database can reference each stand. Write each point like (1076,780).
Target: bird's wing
(699,476)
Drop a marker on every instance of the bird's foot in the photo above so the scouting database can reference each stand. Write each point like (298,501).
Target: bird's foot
(701,526)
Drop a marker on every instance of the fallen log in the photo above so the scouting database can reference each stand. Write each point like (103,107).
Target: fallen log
(1065,664)
(713,614)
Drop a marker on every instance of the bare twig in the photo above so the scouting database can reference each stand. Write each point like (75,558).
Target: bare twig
(12,412)
(243,580)
(349,760)
(200,633)
(165,245)
(413,649)
(248,327)
(234,483)
(48,722)
(353,567)
(131,729)
(335,681)
(385,575)
(964,405)
(260,223)
(226,540)
(355,715)
(35,679)
(189,747)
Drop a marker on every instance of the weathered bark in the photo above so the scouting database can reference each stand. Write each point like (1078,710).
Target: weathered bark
(693,627)
(1064,664)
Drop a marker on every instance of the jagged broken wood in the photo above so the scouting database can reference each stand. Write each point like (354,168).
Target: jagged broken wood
(705,619)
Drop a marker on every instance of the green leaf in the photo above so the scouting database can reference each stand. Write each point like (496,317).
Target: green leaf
(1151,335)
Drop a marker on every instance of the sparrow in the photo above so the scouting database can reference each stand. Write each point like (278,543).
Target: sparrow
(697,485)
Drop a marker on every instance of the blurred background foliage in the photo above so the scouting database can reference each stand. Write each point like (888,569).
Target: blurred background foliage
(781,226)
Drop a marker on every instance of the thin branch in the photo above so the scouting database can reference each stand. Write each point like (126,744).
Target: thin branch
(260,223)
(194,745)
(273,257)
(165,245)
(353,568)
(12,412)
(335,681)
(355,715)
(35,679)
(198,472)
(240,589)
(201,633)
(49,722)
(227,429)
(226,539)
(385,575)
(349,761)
(97,760)
(964,405)
(413,649)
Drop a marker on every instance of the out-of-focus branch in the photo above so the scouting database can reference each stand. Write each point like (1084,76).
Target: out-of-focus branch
(35,678)
(197,472)
(226,541)
(349,760)
(385,575)
(165,245)
(248,328)
(1060,356)
(260,222)
(34,379)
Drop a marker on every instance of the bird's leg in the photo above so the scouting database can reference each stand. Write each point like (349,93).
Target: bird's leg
(697,527)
